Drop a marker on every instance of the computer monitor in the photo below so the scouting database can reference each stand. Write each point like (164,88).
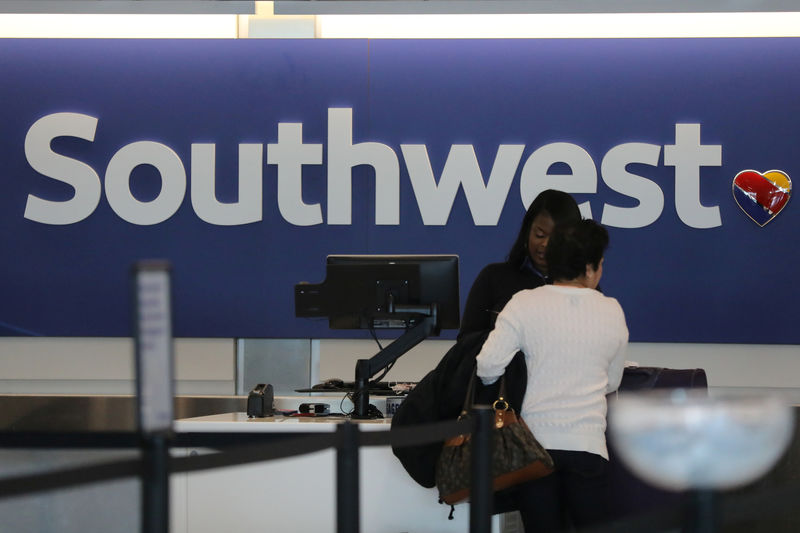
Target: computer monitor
(418,293)
(383,292)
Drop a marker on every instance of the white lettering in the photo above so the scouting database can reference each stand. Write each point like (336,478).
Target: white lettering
(290,154)
(615,175)
(687,155)
(204,199)
(75,173)
(173,183)
(343,155)
(535,177)
(485,201)
(435,198)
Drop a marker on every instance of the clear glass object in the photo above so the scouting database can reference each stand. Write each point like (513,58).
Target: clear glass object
(685,440)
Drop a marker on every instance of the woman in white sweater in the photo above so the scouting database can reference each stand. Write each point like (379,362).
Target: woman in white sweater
(574,341)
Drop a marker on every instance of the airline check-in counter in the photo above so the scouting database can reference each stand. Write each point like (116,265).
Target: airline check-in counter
(299,493)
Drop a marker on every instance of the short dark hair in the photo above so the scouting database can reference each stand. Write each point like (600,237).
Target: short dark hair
(559,205)
(572,246)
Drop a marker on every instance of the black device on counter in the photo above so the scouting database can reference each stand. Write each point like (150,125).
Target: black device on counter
(315,408)
(260,401)
(337,385)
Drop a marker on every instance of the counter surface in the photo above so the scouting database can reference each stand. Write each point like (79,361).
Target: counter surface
(299,493)
(240,423)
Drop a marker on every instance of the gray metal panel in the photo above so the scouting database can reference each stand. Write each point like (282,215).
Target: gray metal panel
(98,413)
(283,363)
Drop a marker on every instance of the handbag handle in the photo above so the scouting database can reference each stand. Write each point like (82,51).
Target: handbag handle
(500,403)
(469,399)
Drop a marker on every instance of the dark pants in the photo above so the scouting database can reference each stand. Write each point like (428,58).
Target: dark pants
(575,495)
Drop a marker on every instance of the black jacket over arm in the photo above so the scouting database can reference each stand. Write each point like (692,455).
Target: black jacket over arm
(440,396)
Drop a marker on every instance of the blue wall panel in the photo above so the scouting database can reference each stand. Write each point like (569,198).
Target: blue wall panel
(731,282)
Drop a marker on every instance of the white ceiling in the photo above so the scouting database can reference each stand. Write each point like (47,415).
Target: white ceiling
(128,6)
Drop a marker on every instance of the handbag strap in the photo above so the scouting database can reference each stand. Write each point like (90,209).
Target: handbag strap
(501,404)
(469,400)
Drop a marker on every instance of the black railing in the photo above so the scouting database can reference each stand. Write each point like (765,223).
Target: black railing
(237,448)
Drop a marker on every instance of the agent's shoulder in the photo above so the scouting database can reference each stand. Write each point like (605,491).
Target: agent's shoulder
(493,272)
(497,267)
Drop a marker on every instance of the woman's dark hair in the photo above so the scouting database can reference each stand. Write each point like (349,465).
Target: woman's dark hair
(559,205)
(572,246)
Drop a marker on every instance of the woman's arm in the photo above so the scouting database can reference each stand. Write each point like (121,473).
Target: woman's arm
(617,365)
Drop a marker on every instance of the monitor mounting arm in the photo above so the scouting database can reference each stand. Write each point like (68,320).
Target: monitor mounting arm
(366,368)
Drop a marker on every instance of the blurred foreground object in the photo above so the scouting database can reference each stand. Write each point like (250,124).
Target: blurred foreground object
(681,440)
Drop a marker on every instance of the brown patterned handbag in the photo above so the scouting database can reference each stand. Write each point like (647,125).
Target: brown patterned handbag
(517,456)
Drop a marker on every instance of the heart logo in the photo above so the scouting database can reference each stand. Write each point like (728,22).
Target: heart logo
(762,196)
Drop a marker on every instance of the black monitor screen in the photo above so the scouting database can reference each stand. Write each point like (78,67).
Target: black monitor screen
(382,291)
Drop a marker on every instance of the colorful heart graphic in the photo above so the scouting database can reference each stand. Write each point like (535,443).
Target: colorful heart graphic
(762,196)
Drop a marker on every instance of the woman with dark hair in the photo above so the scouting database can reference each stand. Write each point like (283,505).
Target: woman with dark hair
(525,266)
(440,395)
(573,339)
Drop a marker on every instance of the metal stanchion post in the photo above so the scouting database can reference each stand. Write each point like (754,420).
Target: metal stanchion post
(155,485)
(347,490)
(703,514)
(152,327)
(480,511)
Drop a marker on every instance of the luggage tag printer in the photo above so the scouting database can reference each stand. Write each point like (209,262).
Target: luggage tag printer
(260,401)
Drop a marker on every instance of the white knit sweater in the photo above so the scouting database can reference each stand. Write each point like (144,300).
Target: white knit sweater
(574,341)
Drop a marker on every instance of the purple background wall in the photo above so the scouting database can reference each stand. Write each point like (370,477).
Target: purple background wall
(728,283)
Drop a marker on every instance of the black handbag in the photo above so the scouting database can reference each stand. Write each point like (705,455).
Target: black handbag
(517,456)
